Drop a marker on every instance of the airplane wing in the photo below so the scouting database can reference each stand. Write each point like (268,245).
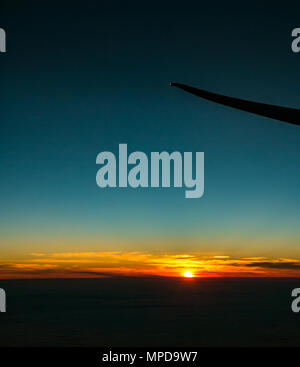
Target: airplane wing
(285,114)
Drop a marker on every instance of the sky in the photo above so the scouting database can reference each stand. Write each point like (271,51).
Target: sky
(82,78)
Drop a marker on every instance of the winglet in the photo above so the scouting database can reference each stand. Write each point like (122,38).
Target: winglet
(285,114)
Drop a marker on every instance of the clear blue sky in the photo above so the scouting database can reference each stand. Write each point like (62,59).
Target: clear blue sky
(80,80)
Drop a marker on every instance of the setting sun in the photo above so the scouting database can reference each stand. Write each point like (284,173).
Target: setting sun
(188,274)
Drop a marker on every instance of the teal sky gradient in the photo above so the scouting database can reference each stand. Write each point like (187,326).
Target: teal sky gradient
(98,77)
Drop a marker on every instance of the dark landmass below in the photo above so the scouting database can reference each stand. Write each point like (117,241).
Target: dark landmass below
(149,312)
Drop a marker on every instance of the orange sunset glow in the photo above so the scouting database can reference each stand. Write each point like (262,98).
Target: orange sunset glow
(118,263)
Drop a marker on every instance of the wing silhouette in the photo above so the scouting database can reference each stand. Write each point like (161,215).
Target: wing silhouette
(285,114)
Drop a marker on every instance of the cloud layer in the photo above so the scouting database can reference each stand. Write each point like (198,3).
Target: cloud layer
(115,263)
